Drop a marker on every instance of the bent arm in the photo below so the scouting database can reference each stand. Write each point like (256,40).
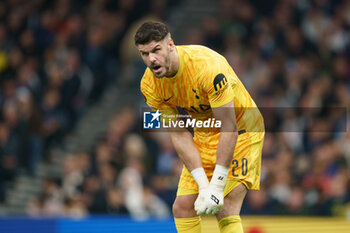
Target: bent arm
(211,199)
(184,145)
(228,134)
(183,142)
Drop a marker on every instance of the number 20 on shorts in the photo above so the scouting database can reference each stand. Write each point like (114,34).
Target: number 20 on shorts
(235,164)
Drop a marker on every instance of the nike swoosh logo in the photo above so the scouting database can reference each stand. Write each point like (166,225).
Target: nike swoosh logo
(166,100)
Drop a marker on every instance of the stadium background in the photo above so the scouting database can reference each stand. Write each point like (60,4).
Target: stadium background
(71,144)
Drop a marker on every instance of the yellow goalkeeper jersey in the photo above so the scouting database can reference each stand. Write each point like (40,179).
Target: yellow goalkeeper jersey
(204,81)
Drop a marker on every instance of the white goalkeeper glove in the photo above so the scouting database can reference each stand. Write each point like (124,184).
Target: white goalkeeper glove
(210,199)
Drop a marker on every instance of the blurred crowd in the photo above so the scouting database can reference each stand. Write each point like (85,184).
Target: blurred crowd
(125,173)
(57,57)
(293,56)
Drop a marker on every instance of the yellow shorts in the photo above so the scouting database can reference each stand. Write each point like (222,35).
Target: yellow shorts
(244,168)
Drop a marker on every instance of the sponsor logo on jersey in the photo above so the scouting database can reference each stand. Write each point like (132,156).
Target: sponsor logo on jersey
(220,82)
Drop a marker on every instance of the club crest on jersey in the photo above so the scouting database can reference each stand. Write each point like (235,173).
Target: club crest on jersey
(220,83)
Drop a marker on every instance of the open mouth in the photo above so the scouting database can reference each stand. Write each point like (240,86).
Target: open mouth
(156,68)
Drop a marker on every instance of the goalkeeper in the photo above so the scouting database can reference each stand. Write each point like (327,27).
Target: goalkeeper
(219,165)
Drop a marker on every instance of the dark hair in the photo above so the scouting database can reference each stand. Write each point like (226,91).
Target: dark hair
(150,31)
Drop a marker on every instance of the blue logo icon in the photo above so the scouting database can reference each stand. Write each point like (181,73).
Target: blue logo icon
(151,120)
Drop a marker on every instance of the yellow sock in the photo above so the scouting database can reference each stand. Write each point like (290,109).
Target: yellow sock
(188,225)
(231,224)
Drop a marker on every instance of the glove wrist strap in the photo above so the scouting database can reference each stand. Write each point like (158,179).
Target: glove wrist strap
(220,176)
(200,177)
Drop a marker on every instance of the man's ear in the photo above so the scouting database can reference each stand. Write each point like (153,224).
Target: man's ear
(171,44)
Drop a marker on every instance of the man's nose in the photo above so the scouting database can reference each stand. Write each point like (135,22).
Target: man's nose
(152,58)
